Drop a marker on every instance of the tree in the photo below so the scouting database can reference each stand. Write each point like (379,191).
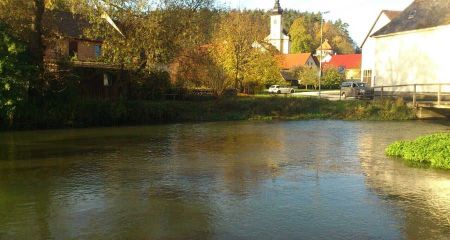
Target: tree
(263,70)
(197,68)
(307,76)
(233,44)
(332,78)
(301,39)
(15,73)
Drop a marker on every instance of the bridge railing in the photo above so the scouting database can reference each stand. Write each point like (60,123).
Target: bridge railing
(437,92)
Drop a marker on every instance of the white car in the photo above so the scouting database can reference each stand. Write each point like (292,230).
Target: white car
(277,89)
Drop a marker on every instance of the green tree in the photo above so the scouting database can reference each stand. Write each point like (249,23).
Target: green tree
(15,73)
(301,39)
(332,78)
(307,76)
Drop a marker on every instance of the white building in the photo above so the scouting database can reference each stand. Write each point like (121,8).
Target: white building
(278,36)
(368,46)
(413,48)
(325,52)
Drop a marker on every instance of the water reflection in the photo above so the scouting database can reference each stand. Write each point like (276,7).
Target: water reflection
(286,180)
(422,194)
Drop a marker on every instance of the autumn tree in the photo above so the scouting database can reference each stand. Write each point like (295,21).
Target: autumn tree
(233,43)
(262,71)
(307,76)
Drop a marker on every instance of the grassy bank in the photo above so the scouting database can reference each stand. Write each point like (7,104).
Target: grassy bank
(432,150)
(103,113)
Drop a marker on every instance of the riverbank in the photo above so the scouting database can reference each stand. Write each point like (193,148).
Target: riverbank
(104,113)
(432,150)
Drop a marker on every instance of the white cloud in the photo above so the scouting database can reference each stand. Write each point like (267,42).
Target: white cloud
(359,14)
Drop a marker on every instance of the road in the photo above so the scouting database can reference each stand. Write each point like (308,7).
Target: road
(332,95)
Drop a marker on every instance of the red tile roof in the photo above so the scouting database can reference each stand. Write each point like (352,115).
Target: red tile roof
(289,61)
(348,61)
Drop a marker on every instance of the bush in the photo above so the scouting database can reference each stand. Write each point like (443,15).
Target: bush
(432,150)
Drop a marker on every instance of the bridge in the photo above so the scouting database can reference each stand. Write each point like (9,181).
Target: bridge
(430,100)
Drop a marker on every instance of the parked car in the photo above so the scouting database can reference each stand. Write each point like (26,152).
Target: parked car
(357,90)
(277,89)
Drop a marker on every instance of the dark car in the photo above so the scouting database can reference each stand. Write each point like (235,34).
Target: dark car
(357,90)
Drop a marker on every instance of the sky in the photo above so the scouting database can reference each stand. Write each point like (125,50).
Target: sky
(359,14)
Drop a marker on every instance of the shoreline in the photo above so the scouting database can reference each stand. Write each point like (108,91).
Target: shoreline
(91,114)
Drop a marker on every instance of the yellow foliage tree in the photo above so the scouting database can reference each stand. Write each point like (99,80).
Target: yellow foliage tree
(237,48)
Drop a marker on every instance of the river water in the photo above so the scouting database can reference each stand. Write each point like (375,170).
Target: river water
(238,180)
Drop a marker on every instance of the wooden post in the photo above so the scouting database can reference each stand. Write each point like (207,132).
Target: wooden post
(414,95)
(439,95)
(382,88)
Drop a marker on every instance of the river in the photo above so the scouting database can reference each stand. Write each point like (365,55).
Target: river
(231,180)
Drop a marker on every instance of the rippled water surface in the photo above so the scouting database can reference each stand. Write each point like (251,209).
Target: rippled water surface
(281,180)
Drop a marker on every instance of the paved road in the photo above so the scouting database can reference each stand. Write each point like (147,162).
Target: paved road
(331,95)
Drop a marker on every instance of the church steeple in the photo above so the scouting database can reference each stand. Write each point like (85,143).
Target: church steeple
(278,36)
(277,10)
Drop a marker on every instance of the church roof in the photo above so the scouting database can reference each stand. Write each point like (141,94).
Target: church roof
(325,46)
(290,61)
(347,61)
(277,10)
(421,14)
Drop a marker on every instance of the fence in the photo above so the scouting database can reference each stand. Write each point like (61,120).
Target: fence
(436,93)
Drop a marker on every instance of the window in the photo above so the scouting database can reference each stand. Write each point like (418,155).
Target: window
(361,84)
(346,84)
(275,21)
(412,14)
(367,77)
(73,48)
(98,50)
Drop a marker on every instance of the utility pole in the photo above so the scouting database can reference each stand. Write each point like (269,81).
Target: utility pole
(321,52)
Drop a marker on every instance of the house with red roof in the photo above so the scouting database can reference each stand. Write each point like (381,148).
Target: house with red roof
(289,62)
(348,64)
(292,61)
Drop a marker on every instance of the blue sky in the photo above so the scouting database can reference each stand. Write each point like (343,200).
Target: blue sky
(359,14)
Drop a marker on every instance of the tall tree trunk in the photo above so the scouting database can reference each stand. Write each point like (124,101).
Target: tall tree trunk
(36,42)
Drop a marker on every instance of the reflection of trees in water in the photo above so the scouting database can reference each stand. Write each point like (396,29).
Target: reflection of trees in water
(164,182)
(78,193)
(237,158)
(423,195)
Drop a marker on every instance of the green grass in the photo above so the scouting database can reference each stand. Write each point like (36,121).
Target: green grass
(106,113)
(432,150)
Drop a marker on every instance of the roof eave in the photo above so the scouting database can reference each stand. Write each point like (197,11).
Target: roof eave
(409,31)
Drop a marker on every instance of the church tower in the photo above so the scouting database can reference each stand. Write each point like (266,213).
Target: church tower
(278,36)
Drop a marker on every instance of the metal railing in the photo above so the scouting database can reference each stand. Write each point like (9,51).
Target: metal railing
(437,92)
